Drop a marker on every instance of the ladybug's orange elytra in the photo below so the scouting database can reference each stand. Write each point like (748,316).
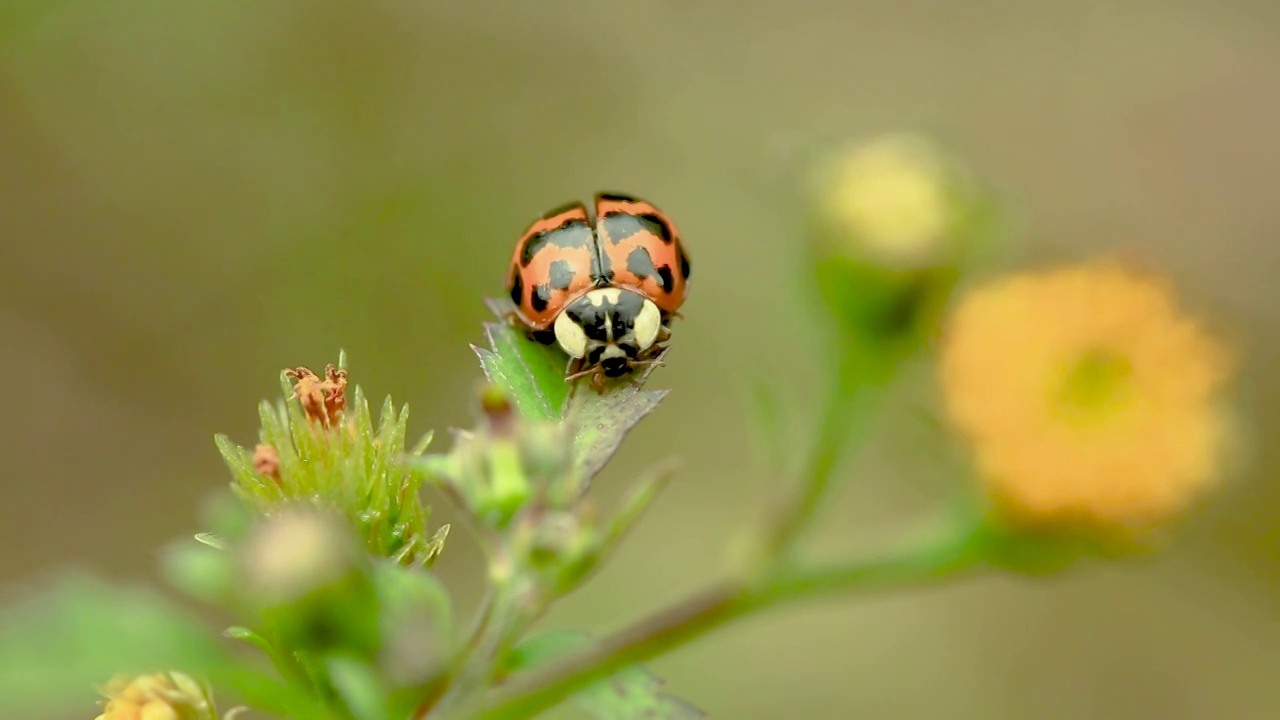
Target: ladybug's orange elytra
(604,290)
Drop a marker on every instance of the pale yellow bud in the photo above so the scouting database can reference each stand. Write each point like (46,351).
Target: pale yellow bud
(889,200)
(295,552)
(159,696)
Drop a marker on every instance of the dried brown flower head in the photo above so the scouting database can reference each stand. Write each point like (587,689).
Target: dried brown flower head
(322,399)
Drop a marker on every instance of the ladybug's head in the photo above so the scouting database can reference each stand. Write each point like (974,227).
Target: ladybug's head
(608,327)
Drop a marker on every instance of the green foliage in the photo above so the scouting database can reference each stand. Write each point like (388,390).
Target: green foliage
(632,692)
(523,473)
(355,468)
(59,644)
(532,376)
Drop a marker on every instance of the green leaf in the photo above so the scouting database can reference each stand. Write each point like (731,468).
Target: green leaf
(212,540)
(58,645)
(630,694)
(417,623)
(358,685)
(532,375)
(602,422)
(636,502)
(239,632)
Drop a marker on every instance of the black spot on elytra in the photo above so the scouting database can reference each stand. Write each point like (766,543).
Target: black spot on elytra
(640,263)
(616,197)
(561,274)
(658,226)
(664,276)
(572,234)
(684,265)
(517,287)
(621,225)
(540,297)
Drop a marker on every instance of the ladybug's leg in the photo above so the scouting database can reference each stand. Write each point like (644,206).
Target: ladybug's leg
(597,377)
(512,315)
(638,365)
(656,362)
(597,381)
(575,370)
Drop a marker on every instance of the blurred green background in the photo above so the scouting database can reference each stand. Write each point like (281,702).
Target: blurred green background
(194,195)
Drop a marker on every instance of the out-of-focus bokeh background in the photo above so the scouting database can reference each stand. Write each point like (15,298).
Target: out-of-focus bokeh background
(196,195)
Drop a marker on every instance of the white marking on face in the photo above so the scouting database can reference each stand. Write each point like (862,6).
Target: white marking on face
(648,323)
(572,339)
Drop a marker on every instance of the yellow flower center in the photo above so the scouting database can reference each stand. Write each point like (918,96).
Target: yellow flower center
(1096,387)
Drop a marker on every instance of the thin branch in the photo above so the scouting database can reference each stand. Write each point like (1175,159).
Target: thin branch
(851,405)
(958,550)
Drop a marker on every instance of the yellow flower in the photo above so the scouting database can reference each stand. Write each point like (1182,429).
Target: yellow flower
(1087,396)
(890,198)
(161,696)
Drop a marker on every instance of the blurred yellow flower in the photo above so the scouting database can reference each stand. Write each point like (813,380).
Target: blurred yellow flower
(161,696)
(890,198)
(1087,396)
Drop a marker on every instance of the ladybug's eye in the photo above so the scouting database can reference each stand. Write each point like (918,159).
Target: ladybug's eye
(570,335)
(647,324)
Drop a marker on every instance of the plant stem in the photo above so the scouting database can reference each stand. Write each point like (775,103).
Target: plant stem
(851,405)
(959,549)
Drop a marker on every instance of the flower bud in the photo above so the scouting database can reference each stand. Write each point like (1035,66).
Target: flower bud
(305,572)
(159,696)
(322,399)
(893,221)
(296,552)
(558,539)
(499,414)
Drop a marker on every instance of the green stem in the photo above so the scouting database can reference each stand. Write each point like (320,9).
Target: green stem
(959,549)
(851,405)
(482,654)
(475,637)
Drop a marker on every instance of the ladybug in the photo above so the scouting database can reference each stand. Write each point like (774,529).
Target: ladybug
(605,290)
